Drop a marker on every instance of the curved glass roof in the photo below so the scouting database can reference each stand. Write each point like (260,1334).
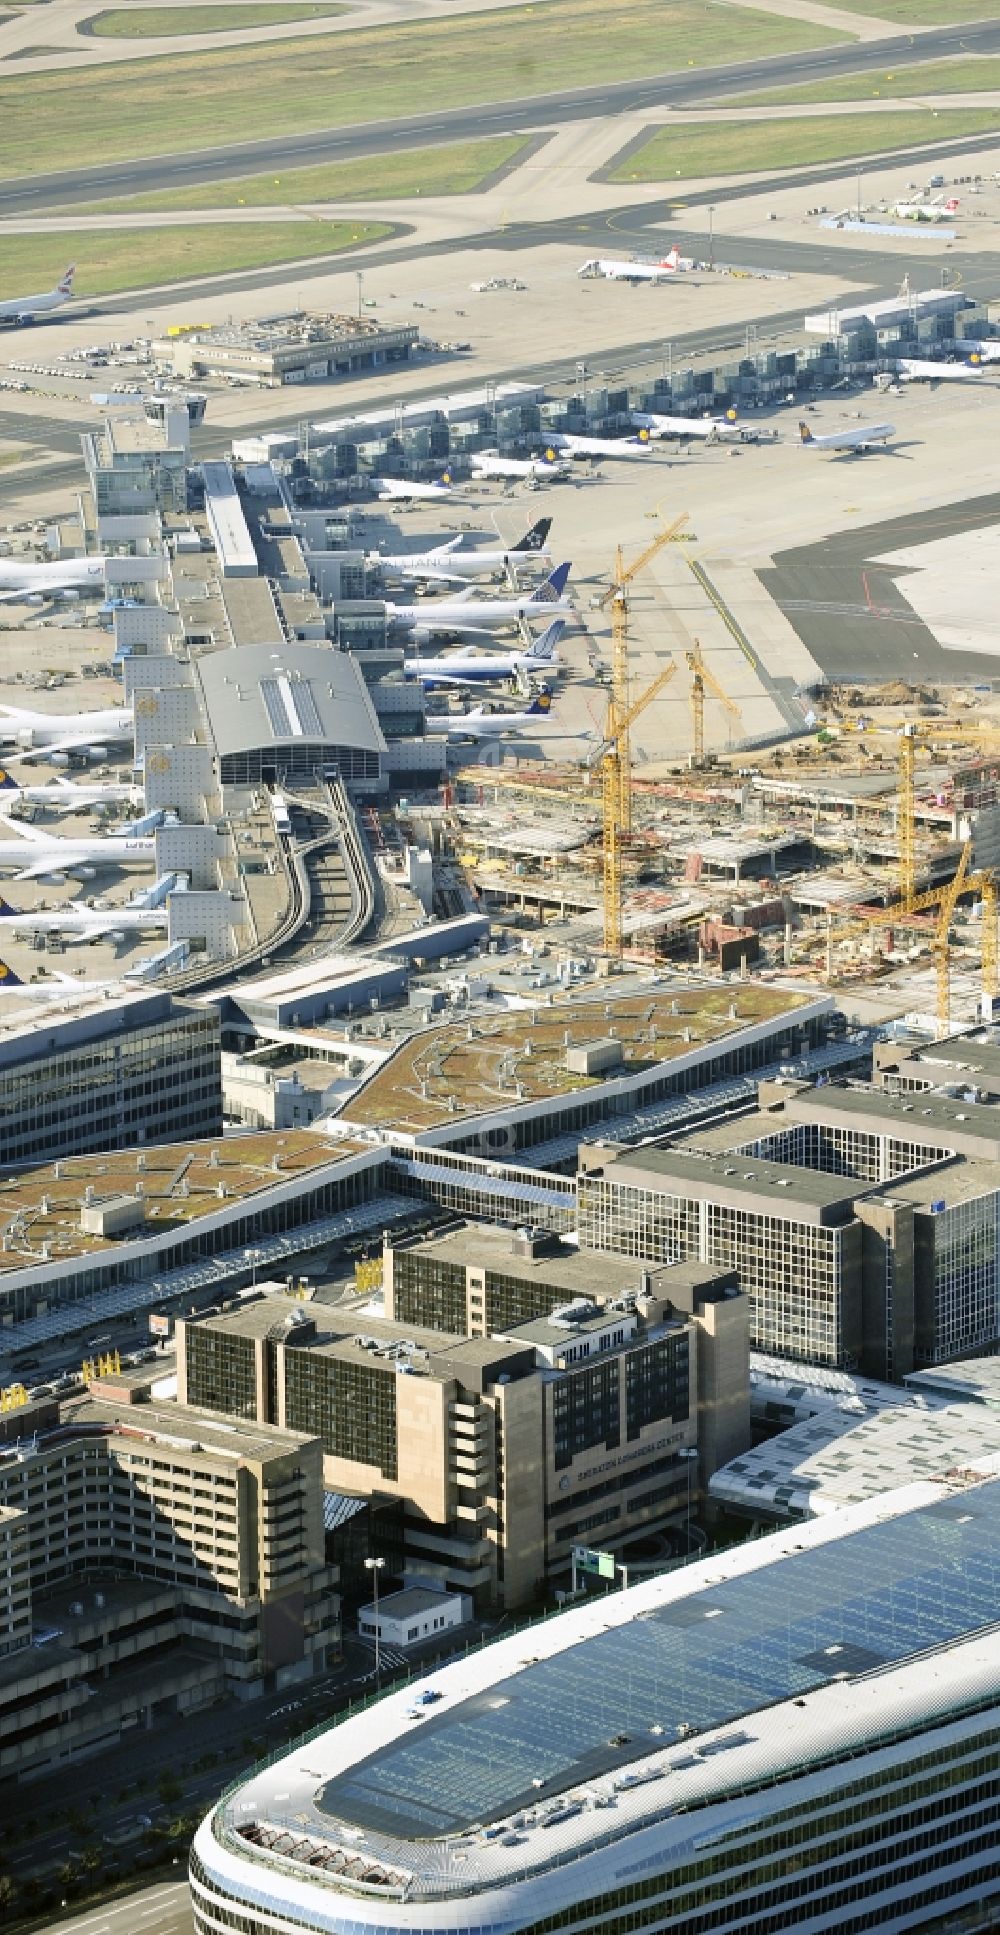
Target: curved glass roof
(870,1599)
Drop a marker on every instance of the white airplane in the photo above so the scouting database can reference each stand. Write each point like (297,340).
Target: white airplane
(449,565)
(912,370)
(46,856)
(65,795)
(672,264)
(655,425)
(979,351)
(624,447)
(69,578)
(90,923)
(55,987)
(23,308)
(54,735)
(399,490)
(476,668)
(489,463)
(481,724)
(865,437)
(938,210)
(467,613)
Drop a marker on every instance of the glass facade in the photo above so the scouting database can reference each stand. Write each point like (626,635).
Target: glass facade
(895,1847)
(350,1407)
(965,1304)
(791,1272)
(221,1371)
(428,1291)
(157,1082)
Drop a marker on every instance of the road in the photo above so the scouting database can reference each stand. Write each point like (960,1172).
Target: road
(29,195)
(154,1911)
(631,229)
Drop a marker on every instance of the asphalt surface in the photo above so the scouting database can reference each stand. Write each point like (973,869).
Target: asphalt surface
(853,615)
(159,1910)
(31,194)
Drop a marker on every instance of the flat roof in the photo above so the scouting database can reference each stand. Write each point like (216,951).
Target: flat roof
(256,697)
(779,1188)
(910,1118)
(412,1601)
(519,1055)
(578,1272)
(339,1329)
(960,1054)
(251,613)
(637,1707)
(972,1377)
(838,1459)
(181,1181)
(962,1180)
(228,525)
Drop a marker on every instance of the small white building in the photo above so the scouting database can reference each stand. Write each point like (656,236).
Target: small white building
(411,1617)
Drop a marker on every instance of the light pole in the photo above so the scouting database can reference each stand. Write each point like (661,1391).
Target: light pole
(374,1566)
(581,377)
(859,194)
(361,276)
(689,1454)
(711,235)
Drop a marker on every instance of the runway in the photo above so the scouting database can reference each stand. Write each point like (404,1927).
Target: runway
(30,195)
(635,227)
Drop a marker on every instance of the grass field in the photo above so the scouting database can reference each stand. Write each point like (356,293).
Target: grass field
(173,103)
(924,13)
(455,170)
(148,23)
(894,84)
(111,259)
(728,148)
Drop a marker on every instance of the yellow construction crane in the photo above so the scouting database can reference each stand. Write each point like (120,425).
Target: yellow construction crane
(616,596)
(702,681)
(951,894)
(615,783)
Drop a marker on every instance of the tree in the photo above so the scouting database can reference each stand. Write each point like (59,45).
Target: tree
(8,1895)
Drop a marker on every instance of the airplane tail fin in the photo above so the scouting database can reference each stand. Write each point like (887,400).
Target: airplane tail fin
(534,540)
(951,204)
(540,704)
(444,481)
(66,285)
(6,910)
(554,586)
(543,650)
(8,784)
(673,260)
(805,433)
(8,978)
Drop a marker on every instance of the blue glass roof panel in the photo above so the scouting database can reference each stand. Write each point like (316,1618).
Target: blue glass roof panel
(876,1596)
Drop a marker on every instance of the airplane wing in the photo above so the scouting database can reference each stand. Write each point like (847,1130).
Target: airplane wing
(33,835)
(433,577)
(75,742)
(450,678)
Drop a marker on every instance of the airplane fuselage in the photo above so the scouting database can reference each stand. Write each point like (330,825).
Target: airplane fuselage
(473,614)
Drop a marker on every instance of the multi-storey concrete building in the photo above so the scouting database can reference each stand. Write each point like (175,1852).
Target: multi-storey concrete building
(146,1069)
(156,1559)
(489,1282)
(864,1230)
(570,1421)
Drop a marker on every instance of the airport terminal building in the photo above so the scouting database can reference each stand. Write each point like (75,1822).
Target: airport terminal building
(802,1733)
